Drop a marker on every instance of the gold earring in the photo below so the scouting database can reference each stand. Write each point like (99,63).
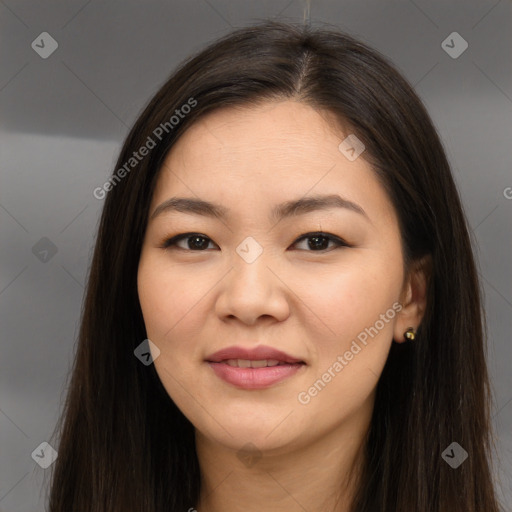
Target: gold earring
(410,334)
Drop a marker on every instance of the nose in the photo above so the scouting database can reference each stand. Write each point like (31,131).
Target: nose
(251,291)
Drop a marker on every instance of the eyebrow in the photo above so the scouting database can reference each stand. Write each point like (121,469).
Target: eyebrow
(300,206)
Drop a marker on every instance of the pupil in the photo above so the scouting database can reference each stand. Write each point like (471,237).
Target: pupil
(316,245)
(193,241)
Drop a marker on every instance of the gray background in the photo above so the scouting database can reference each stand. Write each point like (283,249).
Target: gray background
(63,120)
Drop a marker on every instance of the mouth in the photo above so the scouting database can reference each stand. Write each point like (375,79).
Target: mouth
(250,363)
(256,368)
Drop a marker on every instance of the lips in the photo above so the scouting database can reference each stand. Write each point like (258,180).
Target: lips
(256,368)
(254,354)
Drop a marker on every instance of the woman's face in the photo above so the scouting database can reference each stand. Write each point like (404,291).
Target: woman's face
(248,283)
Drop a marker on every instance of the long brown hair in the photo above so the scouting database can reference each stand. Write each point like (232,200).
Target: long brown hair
(123,443)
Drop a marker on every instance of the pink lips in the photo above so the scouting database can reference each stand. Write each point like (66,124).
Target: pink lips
(253,378)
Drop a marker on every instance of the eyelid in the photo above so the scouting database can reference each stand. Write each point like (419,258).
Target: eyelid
(169,243)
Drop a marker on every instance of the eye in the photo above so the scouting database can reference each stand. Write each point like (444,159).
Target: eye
(194,242)
(319,241)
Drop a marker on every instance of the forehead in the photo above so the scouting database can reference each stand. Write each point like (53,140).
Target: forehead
(278,128)
(267,153)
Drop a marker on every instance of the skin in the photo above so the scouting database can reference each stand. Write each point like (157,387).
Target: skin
(307,302)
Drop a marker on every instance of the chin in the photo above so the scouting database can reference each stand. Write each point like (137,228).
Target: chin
(262,436)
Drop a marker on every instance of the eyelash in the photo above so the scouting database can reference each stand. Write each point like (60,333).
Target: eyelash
(168,243)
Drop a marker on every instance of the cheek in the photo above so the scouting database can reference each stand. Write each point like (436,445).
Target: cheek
(345,301)
(171,303)
(357,306)
(168,299)
(352,341)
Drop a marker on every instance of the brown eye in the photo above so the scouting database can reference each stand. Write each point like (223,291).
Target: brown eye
(318,242)
(193,242)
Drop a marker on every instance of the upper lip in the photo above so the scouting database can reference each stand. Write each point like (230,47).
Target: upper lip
(252,354)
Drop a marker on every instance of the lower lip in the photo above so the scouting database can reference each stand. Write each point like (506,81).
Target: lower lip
(254,378)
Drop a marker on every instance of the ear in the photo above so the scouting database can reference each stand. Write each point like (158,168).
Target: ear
(413,297)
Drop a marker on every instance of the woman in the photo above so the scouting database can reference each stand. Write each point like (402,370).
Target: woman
(283,310)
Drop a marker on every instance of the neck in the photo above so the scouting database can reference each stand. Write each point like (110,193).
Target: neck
(319,476)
